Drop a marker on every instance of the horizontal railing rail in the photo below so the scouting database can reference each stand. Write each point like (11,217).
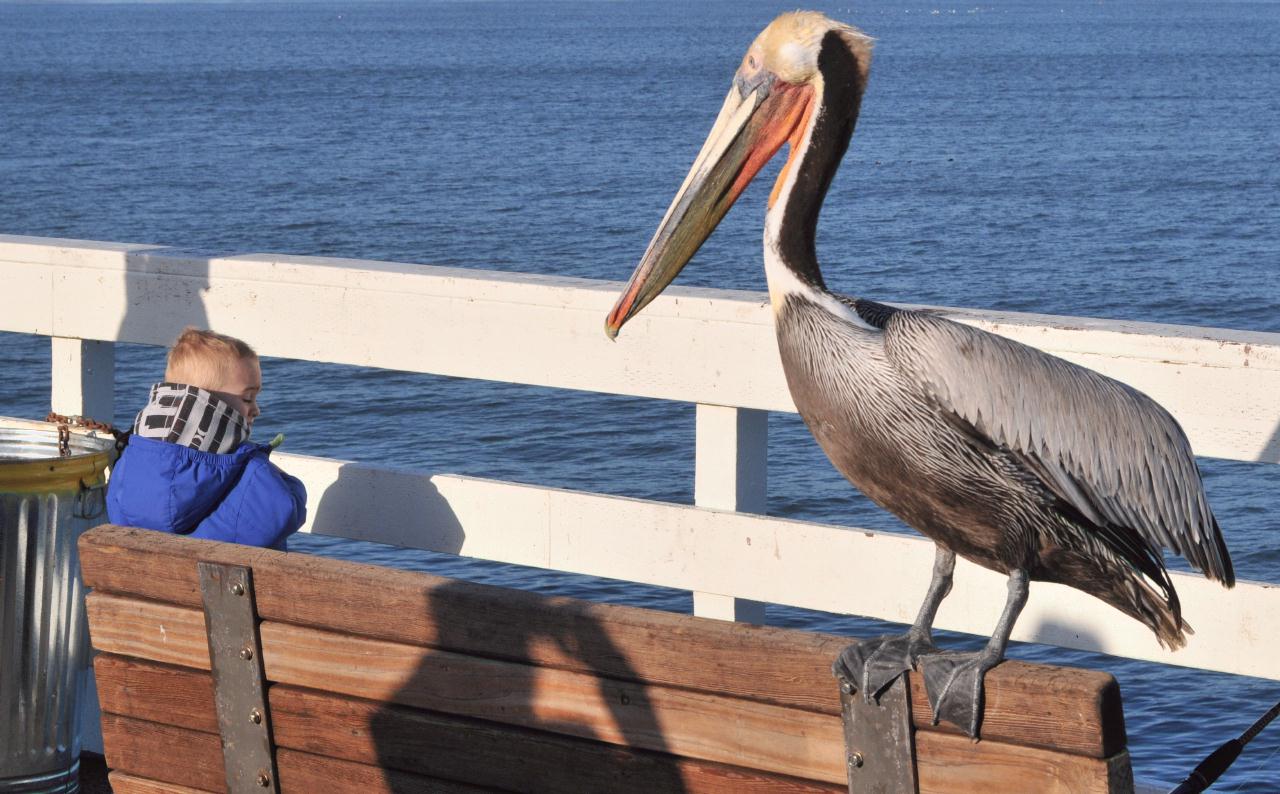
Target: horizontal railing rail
(705,346)
(764,559)
(710,347)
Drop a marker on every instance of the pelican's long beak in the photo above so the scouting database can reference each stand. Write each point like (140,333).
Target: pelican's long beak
(759,115)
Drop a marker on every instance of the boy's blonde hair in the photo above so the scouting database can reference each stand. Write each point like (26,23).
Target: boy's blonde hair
(204,358)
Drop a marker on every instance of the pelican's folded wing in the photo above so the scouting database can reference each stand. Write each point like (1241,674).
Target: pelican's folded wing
(1104,447)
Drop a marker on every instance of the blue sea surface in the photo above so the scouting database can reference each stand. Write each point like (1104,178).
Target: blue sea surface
(1105,159)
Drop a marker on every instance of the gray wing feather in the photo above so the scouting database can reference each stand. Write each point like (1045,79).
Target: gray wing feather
(1104,447)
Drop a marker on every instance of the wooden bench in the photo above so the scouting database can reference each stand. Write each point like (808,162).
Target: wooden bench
(381,680)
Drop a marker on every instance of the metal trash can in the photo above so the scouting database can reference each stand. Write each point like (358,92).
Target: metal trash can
(51,490)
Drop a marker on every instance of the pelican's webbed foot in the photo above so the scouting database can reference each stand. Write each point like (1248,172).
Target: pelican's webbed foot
(873,664)
(953,681)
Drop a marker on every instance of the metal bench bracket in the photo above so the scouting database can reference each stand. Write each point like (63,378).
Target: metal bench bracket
(880,753)
(239,683)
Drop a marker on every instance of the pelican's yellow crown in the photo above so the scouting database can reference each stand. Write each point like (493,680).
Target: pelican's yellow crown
(789,46)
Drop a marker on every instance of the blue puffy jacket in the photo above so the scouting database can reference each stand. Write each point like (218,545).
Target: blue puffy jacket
(240,496)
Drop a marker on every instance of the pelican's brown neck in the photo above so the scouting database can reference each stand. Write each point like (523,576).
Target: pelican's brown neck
(817,147)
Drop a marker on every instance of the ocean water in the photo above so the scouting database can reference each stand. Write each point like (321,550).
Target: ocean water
(1107,159)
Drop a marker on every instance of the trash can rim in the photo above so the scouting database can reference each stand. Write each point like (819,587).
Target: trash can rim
(29,459)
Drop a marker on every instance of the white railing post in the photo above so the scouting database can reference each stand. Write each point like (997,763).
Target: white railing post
(731,472)
(83,383)
(83,378)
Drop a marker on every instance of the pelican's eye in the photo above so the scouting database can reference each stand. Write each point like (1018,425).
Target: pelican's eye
(753,63)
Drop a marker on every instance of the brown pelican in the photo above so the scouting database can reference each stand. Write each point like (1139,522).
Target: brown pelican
(1019,461)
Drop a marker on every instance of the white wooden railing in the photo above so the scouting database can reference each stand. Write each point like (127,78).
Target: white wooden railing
(710,347)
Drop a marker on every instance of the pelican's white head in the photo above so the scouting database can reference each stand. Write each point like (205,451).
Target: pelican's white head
(789,47)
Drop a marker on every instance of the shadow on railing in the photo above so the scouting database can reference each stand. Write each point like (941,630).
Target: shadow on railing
(186,293)
(362,502)
(1271,450)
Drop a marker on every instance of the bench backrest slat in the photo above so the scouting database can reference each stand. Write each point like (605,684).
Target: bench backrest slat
(364,662)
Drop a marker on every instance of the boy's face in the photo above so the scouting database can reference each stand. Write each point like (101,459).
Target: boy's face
(240,388)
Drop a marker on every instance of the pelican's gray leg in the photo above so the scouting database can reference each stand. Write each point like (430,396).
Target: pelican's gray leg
(954,680)
(874,664)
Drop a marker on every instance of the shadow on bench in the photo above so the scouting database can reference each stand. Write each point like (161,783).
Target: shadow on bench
(381,680)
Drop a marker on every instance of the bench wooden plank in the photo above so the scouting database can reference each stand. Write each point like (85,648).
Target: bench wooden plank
(308,774)
(1076,711)
(490,754)
(156,692)
(788,741)
(771,738)
(791,742)
(305,773)
(148,630)
(366,732)
(1041,706)
(153,759)
(375,735)
(122,783)
(164,753)
(954,766)
(775,665)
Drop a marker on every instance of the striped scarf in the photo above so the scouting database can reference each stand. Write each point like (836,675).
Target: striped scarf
(192,417)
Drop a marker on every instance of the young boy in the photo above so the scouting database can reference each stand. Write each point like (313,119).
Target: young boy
(189,467)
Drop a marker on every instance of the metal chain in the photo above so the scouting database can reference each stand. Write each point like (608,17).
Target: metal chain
(65,423)
(91,502)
